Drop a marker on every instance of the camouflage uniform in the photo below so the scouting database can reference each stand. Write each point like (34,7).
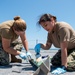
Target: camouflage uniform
(56,60)
(5,58)
(7,32)
(63,32)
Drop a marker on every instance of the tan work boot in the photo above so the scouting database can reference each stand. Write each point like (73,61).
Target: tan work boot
(15,60)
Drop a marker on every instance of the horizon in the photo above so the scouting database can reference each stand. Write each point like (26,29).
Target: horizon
(31,10)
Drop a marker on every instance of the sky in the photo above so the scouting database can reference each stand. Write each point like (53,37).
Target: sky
(30,11)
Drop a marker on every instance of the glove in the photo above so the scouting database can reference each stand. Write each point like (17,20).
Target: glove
(59,70)
(28,54)
(23,55)
(37,48)
(38,55)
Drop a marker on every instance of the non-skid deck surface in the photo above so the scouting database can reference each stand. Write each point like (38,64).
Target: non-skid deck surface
(25,68)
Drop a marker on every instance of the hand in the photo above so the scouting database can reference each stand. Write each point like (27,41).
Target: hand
(37,48)
(38,55)
(23,55)
(28,54)
(59,71)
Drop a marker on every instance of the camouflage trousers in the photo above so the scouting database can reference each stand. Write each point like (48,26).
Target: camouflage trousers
(56,60)
(5,58)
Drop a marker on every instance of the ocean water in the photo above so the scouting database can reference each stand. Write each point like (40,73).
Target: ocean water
(42,49)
